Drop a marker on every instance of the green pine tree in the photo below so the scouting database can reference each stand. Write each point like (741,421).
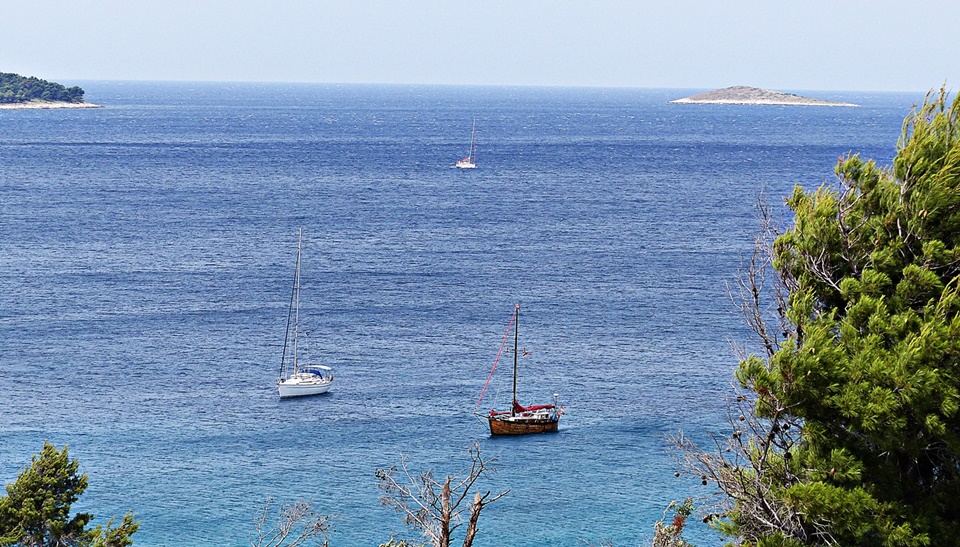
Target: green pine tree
(847,428)
(36,509)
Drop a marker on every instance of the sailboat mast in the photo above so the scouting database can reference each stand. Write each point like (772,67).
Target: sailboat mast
(296,289)
(293,302)
(473,141)
(516,329)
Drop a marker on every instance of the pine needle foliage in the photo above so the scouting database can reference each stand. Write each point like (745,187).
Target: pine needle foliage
(846,429)
(36,509)
(15,88)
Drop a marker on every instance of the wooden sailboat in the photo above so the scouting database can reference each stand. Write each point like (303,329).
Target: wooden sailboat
(298,379)
(470,162)
(522,420)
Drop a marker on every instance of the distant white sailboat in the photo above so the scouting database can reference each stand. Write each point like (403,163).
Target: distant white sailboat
(298,379)
(470,162)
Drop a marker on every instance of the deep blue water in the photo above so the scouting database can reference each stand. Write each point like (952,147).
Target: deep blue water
(146,255)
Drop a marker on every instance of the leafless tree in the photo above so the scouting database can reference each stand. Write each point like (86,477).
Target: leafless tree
(750,466)
(436,508)
(758,292)
(750,463)
(296,525)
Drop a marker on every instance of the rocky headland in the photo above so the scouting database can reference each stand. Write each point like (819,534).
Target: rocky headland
(46,105)
(742,94)
(31,93)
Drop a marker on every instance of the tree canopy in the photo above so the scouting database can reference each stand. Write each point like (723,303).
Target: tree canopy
(847,428)
(15,88)
(36,509)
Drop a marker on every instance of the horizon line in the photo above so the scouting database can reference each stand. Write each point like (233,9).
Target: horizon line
(451,85)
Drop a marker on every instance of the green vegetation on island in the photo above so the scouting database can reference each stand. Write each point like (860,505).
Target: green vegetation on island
(15,88)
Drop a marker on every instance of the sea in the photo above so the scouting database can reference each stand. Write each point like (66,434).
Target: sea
(147,253)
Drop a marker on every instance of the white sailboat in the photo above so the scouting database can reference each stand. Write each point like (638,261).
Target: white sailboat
(298,379)
(470,162)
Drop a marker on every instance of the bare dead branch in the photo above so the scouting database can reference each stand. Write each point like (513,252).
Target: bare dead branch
(750,466)
(759,292)
(436,508)
(297,525)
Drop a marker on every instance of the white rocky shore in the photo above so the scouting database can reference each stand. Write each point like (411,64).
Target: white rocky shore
(46,105)
(742,94)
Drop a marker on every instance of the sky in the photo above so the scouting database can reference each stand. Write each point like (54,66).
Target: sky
(841,45)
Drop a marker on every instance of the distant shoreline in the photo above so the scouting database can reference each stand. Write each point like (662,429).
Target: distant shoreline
(760,102)
(755,96)
(46,105)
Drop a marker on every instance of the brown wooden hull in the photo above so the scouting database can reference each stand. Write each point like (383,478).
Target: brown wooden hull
(521,426)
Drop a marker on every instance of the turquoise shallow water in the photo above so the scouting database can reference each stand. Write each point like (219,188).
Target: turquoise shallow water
(146,251)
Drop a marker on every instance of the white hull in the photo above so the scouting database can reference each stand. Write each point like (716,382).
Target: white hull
(464,164)
(299,385)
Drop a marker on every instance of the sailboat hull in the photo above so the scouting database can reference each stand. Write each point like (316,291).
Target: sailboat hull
(522,425)
(305,383)
(288,389)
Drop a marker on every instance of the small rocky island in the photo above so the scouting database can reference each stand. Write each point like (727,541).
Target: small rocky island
(21,92)
(741,94)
